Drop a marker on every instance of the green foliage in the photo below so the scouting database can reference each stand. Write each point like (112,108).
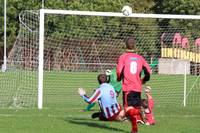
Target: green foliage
(178,7)
(14,7)
(189,28)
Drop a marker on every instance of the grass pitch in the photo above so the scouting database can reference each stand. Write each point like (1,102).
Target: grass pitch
(62,104)
(70,120)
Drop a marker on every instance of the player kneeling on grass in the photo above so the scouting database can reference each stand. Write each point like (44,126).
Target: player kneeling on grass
(106,96)
(149,111)
(112,80)
(147,105)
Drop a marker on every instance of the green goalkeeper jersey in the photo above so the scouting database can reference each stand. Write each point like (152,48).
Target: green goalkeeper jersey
(113,81)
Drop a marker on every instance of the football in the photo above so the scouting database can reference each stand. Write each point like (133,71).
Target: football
(126,10)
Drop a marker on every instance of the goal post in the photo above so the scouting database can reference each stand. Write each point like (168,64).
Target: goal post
(58,51)
(44,12)
(41,61)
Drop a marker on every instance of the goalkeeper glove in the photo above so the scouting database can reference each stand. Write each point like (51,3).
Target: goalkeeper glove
(108,72)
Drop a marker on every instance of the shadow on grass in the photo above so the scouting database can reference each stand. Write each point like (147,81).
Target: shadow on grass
(84,122)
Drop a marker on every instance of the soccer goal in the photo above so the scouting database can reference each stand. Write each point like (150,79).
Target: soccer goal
(58,51)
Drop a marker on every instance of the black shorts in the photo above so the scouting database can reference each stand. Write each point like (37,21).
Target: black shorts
(132,98)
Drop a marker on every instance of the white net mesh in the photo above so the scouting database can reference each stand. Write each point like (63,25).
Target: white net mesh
(19,82)
(77,48)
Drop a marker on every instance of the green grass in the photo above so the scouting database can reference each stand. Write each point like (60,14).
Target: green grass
(62,104)
(70,120)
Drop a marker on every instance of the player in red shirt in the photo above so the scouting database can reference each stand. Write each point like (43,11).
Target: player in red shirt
(149,110)
(147,106)
(129,68)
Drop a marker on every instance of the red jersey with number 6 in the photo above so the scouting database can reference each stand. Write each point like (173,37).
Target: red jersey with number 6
(129,68)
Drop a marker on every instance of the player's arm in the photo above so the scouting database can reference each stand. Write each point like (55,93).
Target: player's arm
(149,97)
(150,101)
(120,68)
(96,95)
(147,71)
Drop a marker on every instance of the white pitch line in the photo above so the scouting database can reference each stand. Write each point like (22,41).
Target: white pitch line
(175,116)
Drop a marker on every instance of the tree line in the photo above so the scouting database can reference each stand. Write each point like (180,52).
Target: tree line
(14,7)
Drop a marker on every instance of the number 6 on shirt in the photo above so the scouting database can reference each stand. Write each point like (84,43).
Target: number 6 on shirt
(133,67)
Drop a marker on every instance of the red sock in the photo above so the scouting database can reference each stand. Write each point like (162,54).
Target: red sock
(131,113)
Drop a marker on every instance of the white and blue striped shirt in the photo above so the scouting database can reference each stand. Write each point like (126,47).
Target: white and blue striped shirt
(106,96)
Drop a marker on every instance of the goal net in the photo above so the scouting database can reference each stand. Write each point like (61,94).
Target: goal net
(64,50)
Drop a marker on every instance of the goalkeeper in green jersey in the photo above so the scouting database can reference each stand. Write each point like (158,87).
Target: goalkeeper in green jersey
(112,79)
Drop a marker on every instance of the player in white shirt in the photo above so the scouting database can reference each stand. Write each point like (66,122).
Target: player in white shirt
(106,96)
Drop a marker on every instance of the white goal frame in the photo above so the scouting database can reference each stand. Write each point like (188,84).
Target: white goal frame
(90,13)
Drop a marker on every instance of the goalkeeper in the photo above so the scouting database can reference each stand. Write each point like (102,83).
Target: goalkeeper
(112,80)
(110,109)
